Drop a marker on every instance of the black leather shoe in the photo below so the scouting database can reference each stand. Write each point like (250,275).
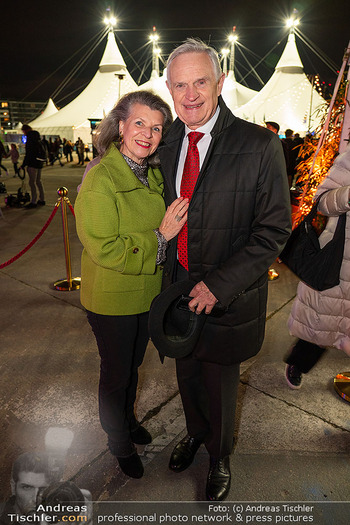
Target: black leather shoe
(183,454)
(141,436)
(219,479)
(131,465)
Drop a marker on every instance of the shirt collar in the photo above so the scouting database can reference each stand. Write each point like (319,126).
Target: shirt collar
(208,126)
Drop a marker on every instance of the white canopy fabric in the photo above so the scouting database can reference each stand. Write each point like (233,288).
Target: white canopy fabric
(111,81)
(235,94)
(288,98)
(49,110)
(157,85)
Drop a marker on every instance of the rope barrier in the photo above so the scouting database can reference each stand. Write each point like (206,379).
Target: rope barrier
(36,238)
(63,199)
(70,283)
(70,206)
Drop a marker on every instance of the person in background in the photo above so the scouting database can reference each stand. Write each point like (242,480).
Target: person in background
(46,145)
(290,154)
(124,228)
(80,148)
(321,319)
(34,166)
(272,273)
(2,154)
(69,149)
(55,151)
(14,155)
(273,126)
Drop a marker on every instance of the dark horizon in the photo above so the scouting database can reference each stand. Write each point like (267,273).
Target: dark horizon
(43,38)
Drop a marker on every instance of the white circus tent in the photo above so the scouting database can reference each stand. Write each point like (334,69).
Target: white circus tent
(288,98)
(234,93)
(157,84)
(49,110)
(111,81)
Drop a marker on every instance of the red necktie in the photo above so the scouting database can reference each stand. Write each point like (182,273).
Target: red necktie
(188,182)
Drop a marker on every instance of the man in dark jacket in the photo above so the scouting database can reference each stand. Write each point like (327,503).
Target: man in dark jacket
(238,222)
(34,164)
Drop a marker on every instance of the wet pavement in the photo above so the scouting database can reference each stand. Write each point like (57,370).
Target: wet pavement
(290,445)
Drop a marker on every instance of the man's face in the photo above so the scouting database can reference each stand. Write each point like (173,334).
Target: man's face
(26,490)
(194,88)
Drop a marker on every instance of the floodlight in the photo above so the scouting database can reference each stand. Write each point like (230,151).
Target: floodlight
(292,22)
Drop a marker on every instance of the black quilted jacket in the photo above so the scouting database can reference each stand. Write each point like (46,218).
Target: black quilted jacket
(238,221)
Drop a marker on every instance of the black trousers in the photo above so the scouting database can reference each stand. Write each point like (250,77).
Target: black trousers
(122,342)
(304,355)
(209,396)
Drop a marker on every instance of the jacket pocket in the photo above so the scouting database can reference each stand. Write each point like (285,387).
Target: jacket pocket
(115,282)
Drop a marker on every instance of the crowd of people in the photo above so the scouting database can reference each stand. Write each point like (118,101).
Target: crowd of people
(40,151)
(196,200)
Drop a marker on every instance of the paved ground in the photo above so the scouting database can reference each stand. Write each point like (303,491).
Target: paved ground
(290,445)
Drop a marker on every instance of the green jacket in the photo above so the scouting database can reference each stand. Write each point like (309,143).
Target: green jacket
(115,218)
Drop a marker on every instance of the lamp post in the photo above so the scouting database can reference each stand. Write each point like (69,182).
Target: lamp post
(155,50)
(232,39)
(224,53)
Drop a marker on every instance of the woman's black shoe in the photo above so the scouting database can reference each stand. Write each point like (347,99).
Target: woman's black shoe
(141,436)
(131,465)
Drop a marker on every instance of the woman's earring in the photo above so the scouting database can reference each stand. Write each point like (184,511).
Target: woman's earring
(121,137)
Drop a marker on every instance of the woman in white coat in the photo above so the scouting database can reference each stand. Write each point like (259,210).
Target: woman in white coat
(322,319)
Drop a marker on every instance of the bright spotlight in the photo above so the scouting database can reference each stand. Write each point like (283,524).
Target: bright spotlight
(112,21)
(233,38)
(292,22)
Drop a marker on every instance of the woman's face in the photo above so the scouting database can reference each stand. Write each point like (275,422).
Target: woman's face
(142,132)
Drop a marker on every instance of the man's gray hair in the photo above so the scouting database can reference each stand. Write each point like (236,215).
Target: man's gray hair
(195,45)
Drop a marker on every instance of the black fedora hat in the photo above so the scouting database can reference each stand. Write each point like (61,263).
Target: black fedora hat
(173,328)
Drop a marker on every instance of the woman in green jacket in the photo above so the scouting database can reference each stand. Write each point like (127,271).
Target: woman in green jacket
(124,228)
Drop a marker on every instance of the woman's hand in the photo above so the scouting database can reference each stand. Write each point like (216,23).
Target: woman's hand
(174,218)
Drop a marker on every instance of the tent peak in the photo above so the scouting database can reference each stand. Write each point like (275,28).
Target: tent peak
(112,59)
(290,56)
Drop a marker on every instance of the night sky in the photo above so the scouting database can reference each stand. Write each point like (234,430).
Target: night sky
(38,36)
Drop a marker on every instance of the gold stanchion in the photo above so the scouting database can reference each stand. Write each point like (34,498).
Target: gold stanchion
(69,283)
(342,385)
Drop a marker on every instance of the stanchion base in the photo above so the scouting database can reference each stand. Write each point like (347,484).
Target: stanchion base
(67,286)
(342,385)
